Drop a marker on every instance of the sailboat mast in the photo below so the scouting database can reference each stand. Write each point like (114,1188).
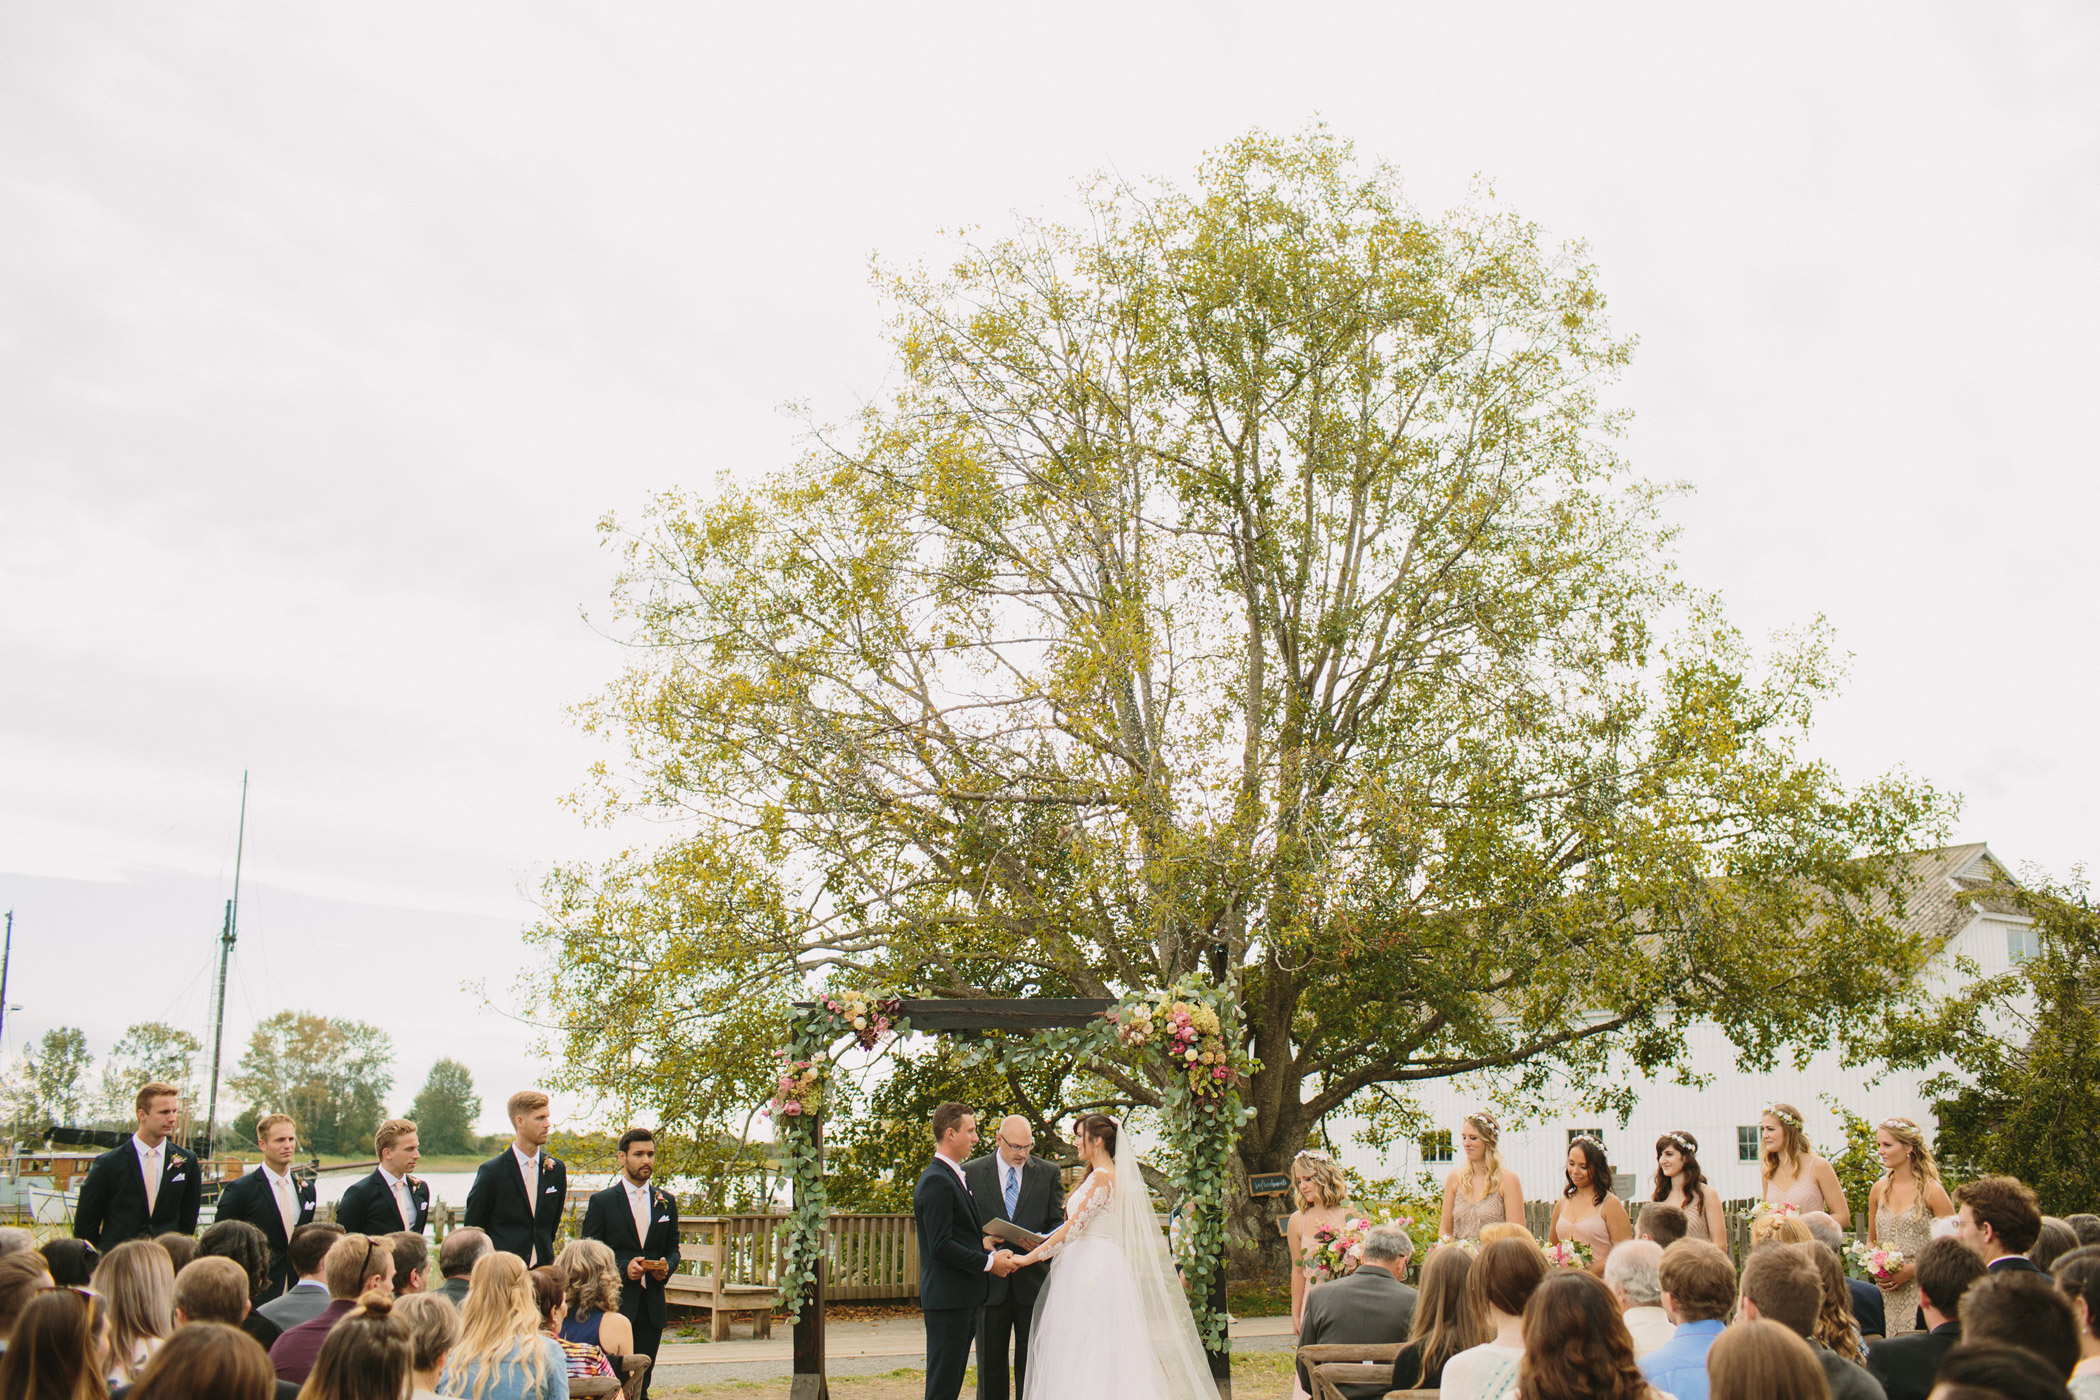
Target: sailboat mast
(229,930)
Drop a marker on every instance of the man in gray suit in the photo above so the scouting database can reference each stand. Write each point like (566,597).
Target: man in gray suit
(307,1298)
(1010,1184)
(462,1250)
(1367,1307)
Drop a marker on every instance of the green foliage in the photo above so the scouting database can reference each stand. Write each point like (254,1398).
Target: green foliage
(1242,579)
(1858,1165)
(49,1085)
(2020,1089)
(876,1141)
(150,1051)
(445,1109)
(330,1074)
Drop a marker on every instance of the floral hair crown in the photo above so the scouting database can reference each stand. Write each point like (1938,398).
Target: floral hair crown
(1681,1142)
(1792,1120)
(1482,1118)
(1585,1137)
(1312,1154)
(1898,1124)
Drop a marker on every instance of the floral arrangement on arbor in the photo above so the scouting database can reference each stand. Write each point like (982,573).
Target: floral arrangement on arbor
(1189,1036)
(800,1090)
(1876,1262)
(867,1017)
(1569,1254)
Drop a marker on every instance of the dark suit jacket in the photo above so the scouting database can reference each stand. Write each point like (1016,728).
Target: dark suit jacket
(1868,1309)
(112,1205)
(293,1355)
(951,1243)
(1367,1307)
(454,1289)
(2003,1264)
(1041,1208)
(1905,1365)
(496,1203)
(367,1207)
(252,1200)
(1848,1381)
(608,1220)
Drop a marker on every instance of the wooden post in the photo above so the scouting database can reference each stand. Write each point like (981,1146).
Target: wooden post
(1221,1359)
(809,1382)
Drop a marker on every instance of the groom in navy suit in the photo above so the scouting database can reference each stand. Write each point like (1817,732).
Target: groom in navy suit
(148,1186)
(954,1266)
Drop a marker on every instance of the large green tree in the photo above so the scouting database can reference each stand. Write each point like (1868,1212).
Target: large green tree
(149,1052)
(445,1109)
(1245,578)
(329,1073)
(49,1087)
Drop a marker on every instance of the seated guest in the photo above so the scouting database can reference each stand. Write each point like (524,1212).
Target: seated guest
(71,1262)
(356,1265)
(433,1328)
(1369,1306)
(2023,1309)
(502,1353)
(2086,1226)
(1507,1230)
(590,1281)
(2080,1280)
(309,1292)
(1698,1293)
(1782,1284)
(1869,1312)
(1778,1229)
(1997,1371)
(1505,1275)
(1998,1218)
(1905,1365)
(14,1241)
(1633,1274)
(215,1290)
(365,1357)
(207,1359)
(1836,1327)
(181,1248)
(137,1281)
(1576,1344)
(411,1262)
(1763,1361)
(60,1347)
(249,1247)
(457,1256)
(1662,1222)
(579,1358)
(22,1277)
(2055,1240)
(1445,1323)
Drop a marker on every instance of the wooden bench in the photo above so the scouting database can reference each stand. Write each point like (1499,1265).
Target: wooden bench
(710,1287)
(1332,1365)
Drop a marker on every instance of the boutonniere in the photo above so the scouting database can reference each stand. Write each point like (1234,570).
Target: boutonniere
(414,1183)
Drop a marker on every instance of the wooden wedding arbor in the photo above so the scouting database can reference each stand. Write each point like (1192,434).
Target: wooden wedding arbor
(1036,1017)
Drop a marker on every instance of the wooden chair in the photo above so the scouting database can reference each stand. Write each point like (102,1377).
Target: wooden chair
(709,1286)
(1331,1365)
(628,1385)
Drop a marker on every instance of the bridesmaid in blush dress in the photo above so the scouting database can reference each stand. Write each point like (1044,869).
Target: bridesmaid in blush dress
(1793,1173)
(1680,1182)
(1482,1191)
(1588,1212)
(1900,1212)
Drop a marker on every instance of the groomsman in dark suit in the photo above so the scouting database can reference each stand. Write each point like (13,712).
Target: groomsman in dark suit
(1011,1184)
(271,1200)
(390,1198)
(518,1197)
(148,1186)
(639,1224)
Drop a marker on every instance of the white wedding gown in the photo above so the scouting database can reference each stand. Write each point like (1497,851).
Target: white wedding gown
(1112,1322)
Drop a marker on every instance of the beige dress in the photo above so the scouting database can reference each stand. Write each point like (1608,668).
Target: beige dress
(1590,1230)
(1804,1195)
(1468,1218)
(1908,1231)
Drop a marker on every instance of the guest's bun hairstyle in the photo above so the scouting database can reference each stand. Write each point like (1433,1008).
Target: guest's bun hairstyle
(1793,1140)
(1762,1360)
(366,1355)
(208,1359)
(1100,1129)
(1506,1274)
(2026,1310)
(1779,1229)
(1576,1346)
(1593,1160)
(2006,1205)
(1997,1370)
(1699,1280)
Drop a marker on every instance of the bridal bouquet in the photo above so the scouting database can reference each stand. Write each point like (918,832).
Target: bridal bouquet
(1335,1251)
(1569,1254)
(1470,1244)
(1782,1209)
(1878,1263)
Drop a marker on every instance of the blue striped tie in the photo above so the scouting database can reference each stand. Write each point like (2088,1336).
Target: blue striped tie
(1013,1189)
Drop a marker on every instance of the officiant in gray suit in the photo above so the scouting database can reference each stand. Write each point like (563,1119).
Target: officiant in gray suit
(1369,1306)
(1010,1184)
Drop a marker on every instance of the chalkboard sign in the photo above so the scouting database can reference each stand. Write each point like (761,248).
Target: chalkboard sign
(1269,1184)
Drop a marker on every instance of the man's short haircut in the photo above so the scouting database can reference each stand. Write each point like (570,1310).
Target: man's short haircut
(2086,1226)
(269,1121)
(1635,1269)
(1997,1369)
(2006,1205)
(310,1245)
(523,1102)
(948,1117)
(1946,1270)
(212,1288)
(462,1249)
(1699,1280)
(1663,1223)
(2023,1309)
(1388,1242)
(155,1090)
(391,1132)
(1785,1284)
(1824,1230)
(353,1259)
(635,1135)
(15,1241)
(411,1252)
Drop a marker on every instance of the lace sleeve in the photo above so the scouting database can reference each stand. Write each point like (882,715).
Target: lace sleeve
(1088,1201)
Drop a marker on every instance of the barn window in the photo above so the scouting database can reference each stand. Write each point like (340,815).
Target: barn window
(1746,1143)
(2021,942)
(1436,1147)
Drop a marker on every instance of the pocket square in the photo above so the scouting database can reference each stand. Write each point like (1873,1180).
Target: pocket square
(663,1219)
(550,1190)
(178,1176)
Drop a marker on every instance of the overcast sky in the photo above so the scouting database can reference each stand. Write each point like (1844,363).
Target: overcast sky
(328,333)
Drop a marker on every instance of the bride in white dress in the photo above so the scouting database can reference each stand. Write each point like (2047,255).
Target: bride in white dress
(1112,1320)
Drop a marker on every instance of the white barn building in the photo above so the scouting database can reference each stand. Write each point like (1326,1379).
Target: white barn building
(1723,1114)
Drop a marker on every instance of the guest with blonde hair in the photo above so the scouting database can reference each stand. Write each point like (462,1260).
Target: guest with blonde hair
(1508,1230)
(1901,1208)
(137,1281)
(501,1353)
(1792,1172)
(1779,1229)
(590,1280)
(366,1355)
(1763,1361)
(433,1330)
(1482,1189)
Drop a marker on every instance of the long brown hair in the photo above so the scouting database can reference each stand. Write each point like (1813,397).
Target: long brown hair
(365,1357)
(1793,1140)
(1762,1360)
(56,1352)
(1446,1321)
(208,1358)
(1505,1276)
(1692,1179)
(1576,1346)
(1834,1323)
(137,1280)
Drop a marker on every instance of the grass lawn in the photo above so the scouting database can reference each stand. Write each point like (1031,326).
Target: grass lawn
(1254,1374)
(1258,1298)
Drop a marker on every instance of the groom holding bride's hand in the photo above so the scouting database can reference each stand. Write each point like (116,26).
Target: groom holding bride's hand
(954,1266)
